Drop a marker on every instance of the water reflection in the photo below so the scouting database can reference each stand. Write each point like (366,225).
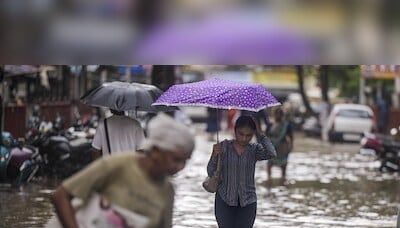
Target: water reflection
(27,205)
(328,185)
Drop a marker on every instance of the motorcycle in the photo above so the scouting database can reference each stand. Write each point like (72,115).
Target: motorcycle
(62,156)
(83,128)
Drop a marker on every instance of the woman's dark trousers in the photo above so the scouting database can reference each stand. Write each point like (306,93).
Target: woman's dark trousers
(234,217)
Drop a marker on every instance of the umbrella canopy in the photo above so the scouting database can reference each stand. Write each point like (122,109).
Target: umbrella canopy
(219,93)
(124,96)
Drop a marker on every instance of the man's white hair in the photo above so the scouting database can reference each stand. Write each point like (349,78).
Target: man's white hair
(165,133)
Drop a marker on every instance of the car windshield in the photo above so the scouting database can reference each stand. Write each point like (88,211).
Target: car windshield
(353,113)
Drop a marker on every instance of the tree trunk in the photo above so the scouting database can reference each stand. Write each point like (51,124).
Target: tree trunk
(163,76)
(324,82)
(300,77)
(66,78)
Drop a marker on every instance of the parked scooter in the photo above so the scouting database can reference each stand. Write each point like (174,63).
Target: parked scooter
(18,163)
(385,147)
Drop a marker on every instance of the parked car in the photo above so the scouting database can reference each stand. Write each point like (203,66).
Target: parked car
(311,127)
(196,114)
(348,122)
(190,76)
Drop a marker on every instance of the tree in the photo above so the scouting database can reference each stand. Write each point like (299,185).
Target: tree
(346,79)
(163,76)
(324,82)
(300,77)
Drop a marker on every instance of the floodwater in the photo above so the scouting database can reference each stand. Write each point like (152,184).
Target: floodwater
(26,206)
(327,186)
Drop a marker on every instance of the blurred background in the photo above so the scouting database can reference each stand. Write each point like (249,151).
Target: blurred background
(303,87)
(343,170)
(193,32)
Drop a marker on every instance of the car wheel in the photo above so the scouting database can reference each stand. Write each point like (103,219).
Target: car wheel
(331,137)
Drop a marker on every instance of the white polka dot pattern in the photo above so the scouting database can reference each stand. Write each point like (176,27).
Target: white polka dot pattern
(219,93)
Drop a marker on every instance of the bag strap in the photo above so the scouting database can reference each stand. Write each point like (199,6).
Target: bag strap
(218,164)
(108,139)
(219,158)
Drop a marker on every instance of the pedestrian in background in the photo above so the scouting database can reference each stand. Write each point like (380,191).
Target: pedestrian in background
(231,115)
(260,117)
(282,139)
(383,113)
(136,182)
(235,199)
(212,123)
(117,134)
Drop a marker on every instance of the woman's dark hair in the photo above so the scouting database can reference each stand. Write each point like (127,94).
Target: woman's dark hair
(245,121)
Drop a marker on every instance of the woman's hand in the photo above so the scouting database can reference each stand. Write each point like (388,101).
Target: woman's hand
(217,149)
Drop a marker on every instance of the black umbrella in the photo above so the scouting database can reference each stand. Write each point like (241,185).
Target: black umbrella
(124,96)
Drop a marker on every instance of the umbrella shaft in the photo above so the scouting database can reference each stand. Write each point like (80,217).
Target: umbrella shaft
(217,125)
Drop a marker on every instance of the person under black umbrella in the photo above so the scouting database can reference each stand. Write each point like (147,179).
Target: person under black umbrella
(121,133)
(117,134)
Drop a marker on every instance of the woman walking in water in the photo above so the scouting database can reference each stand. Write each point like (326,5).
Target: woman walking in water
(235,199)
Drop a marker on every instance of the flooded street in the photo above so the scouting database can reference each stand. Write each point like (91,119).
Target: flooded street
(328,185)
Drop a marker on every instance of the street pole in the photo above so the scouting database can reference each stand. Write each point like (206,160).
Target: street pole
(163,76)
(128,73)
(398,217)
(397,91)
(3,97)
(362,90)
(2,114)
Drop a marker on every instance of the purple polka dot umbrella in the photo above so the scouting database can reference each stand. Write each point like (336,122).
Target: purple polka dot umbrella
(219,93)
